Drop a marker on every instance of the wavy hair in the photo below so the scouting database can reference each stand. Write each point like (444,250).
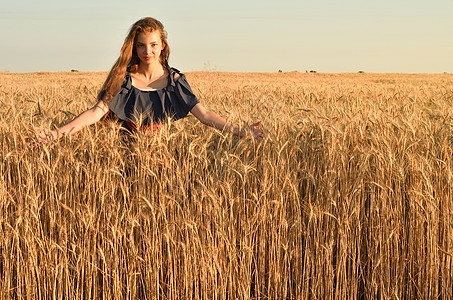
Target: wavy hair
(129,60)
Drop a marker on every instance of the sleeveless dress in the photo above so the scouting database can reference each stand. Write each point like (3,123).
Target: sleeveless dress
(152,107)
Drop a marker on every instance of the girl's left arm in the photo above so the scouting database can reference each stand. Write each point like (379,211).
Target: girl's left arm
(210,118)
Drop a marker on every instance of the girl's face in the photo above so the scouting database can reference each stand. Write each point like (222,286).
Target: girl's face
(148,46)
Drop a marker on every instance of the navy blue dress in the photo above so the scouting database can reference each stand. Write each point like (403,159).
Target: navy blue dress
(174,101)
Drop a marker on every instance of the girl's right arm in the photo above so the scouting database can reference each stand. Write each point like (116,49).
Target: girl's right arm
(86,118)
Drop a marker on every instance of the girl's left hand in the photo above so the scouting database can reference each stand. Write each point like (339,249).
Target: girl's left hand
(42,136)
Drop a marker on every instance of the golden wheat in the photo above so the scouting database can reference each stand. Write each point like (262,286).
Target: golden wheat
(349,196)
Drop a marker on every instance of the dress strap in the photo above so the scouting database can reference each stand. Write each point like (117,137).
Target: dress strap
(171,75)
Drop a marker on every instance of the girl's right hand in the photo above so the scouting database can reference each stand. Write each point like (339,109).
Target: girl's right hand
(255,132)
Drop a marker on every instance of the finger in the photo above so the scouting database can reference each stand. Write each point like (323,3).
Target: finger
(256,124)
(258,131)
(30,137)
(33,143)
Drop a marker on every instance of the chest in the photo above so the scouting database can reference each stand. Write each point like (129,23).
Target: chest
(144,84)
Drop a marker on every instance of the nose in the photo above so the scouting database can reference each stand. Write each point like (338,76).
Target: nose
(148,49)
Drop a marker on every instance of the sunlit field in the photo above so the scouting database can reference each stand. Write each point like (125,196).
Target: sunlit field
(349,196)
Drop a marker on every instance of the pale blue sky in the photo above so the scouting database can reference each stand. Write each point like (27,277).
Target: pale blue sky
(247,36)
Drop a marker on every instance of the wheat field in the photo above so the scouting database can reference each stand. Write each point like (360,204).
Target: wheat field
(349,196)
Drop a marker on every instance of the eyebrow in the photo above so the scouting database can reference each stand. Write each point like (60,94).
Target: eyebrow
(145,43)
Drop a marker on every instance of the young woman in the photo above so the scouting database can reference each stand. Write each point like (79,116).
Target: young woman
(142,90)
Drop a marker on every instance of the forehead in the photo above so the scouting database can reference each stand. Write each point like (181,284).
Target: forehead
(147,37)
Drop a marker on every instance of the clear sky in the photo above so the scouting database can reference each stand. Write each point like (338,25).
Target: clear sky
(407,36)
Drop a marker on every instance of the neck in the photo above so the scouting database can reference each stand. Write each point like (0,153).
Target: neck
(151,71)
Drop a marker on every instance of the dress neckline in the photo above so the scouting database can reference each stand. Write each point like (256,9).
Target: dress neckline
(148,90)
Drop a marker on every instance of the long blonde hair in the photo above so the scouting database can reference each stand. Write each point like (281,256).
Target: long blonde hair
(129,60)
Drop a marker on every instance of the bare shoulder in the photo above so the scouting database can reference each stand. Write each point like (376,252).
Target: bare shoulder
(176,73)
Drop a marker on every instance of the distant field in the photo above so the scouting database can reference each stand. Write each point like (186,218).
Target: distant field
(349,196)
